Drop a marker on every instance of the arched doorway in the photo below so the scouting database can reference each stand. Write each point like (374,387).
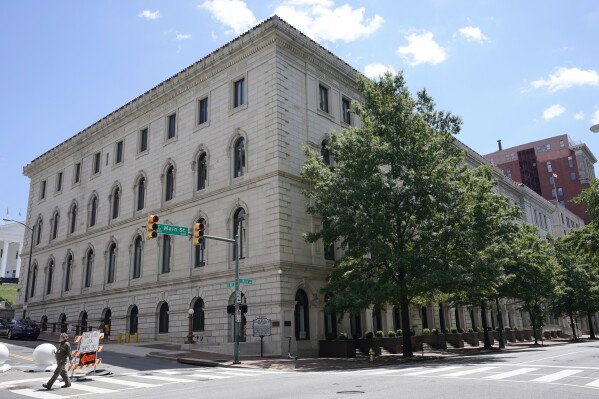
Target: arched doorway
(163,318)
(133,320)
(106,322)
(302,316)
(44,323)
(62,322)
(83,321)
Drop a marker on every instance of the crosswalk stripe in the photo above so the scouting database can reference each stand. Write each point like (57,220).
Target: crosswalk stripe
(556,376)
(127,383)
(35,393)
(234,373)
(211,376)
(467,372)
(433,370)
(90,388)
(381,372)
(509,374)
(593,384)
(161,378)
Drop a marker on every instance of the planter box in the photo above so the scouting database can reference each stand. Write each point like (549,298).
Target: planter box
(436,341)
(471,338)
(527,334)
(392,344)
(547,334)
(510,335)
(519,334)
(481,337)
(455,339)
(553,334)
(337,348)
(364,345)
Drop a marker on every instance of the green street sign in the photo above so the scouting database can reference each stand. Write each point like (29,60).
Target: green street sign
(231,284)
(172,230)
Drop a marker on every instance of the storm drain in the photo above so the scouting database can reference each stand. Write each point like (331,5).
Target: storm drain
(350,392)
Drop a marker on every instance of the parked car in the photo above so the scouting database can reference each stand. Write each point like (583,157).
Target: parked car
(20,328)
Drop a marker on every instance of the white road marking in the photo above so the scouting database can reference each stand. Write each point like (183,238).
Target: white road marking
(90,388)
(593,384)
(34,393)
(509,374)
(432,370)
(556,376)
(167,379)
(467,372)
(128,383)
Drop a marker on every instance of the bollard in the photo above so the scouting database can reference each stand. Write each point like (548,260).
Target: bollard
(136,337)
(119,338)
(371,354)
(127,337)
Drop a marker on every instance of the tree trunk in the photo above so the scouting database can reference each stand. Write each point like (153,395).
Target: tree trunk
(591,326)
(483,314)
(533,320)
(572,326)
(405,323)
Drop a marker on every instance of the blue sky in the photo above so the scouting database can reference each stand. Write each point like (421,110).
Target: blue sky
(513,70)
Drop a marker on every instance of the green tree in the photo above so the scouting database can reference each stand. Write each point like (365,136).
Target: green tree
(392,201)
(530,273)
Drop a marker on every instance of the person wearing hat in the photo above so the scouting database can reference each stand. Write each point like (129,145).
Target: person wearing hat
(62,354)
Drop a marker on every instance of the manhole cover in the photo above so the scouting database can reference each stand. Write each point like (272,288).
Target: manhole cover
(351,392)
(15,387)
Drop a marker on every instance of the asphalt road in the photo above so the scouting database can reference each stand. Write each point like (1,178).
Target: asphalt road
(559,371)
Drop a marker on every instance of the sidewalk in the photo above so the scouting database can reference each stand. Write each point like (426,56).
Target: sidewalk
(210,359)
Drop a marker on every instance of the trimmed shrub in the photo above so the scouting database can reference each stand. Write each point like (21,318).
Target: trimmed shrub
(515,328)
(453,330)
(379,334)
(508,329)
(343,336)
(391,334)
(426,331)
(434,331)
(399,332)
(445,330)
(471,330)
(460,330)
(369,335)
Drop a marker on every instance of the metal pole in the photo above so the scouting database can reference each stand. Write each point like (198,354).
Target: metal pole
(237,297)
(500,322)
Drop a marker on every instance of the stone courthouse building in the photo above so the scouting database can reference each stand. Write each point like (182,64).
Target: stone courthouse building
(220,142)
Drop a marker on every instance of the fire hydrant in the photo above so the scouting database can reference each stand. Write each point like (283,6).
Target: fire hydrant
(371,354)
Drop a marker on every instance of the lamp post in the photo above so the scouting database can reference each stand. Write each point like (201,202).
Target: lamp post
(189,339)
(595,128)
(29,265)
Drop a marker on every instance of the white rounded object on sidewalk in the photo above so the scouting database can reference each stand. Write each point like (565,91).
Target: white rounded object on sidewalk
(3,354)
(44,354)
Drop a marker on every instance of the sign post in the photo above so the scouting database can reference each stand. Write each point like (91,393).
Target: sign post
(261,328)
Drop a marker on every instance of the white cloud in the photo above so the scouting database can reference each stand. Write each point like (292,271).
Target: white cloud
(213,36)
(472,34)
(579,116)
(595,119)
(182,36)
(147,14)
(376,70)
(232,13)
(554,111)
(322,21)
(564,78)
(422,49)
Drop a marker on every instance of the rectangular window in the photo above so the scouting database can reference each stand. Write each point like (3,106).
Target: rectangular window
(549,167)
(172,126)
(551,180)
(572,176)
(239,93)
(59,182)
(560,192)
(96,163)
(561,144)
(323,94)
(77,173)
(203,111)
(143,140)
(118,156)
(553,193)
(570,162)
(43,189)
(508,172)
(345,106)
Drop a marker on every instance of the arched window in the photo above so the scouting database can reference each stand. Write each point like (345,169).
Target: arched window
(202,171)
(324,152)
(89,264)
(141,193)
(169,185)
(33,281)
(62,322)
(198,315)
(116,202)
(93,211)
(166,254)
(200,250)
(55,221)
(239,157)
(68,273)
(73,219)
(137,255)
(133,320)
(330,319)
(163,318)
(302,316)
(83,321)
(38,230)
(110,273)
(49,277)
(239,229)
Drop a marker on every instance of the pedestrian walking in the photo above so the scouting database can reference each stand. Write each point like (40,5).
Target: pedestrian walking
(62,354)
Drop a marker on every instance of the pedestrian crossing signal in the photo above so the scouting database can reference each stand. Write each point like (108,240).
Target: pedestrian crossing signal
(198,233)
(151,229)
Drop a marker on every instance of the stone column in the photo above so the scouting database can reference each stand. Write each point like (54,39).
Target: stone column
(18,266)
(4,259)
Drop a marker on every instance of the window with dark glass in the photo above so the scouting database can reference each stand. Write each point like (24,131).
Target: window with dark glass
(89,264)
(55,221)
(163,319)
(325,153)
(39,227)
(77,173)
(166,254)
(169,187)
(324,98)
(33,281)
(68,273)
(239,157)
(118,157)
(43,189)
(137,253)
(551,180)
(570,162)
(549,167)
(141,193)
(203,111)
(572,175)
(172,126)
(239,93)
(111,264)
(198,315)
(96,163)
(143,140)
(302,316)
(93,211)
(59,181)
(202,171)
(345,107)
(560,191)
(116,202)
(50,276)
(239,229)
(73,225)
(200,250)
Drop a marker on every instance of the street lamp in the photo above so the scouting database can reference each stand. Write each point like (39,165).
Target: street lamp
(595,128)
(189,339)
(29,266)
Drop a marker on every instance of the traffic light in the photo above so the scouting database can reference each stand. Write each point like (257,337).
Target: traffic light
(242,306)
(152,227)
(198,233)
